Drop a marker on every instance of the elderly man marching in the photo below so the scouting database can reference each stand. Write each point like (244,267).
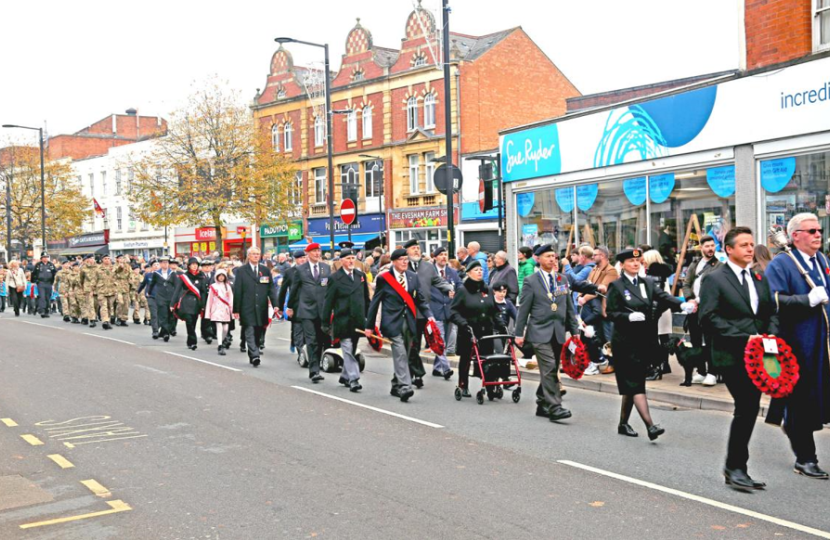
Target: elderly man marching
(398,298)
(799,282)
(253,288)
(347,299)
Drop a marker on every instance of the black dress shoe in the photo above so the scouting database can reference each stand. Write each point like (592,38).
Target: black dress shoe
(406,394)
(810,470)
(418,382)
(92,324)
(627,430)
(66,318)
(106,326)
(242,348)
(355,386)
(344,381)
(316,377)
(222,351)
(447,374)
(136,321)
(655,431)
(84,321)
(192,347)
(173,333)
(255,361)
(208,341)
(560,413)
(75,320)
(155,336)
(738,479)
(436,373)
(394,393)
(44,316)
(166,338)
(542,411)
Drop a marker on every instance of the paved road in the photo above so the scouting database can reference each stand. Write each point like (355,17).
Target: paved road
(187,449)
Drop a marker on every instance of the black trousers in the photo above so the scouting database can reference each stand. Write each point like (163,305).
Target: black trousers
(206,329)
(2,303)
(15,299)
(166,319)
(154,314)
(696,334)
(416,364)
(316,342)
(252,335)
(190,322)
(44,300)
(747,404)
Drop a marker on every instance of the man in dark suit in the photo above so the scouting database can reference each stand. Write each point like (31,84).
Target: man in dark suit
(428,279)
(206,328)
(736,304)
(286,292)
(309,284)
(397,319)
(347,299)
(439,303)
(162,285)
(253,288)
(546,318)
(691,291)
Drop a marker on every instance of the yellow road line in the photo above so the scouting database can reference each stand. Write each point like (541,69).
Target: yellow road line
(116,507)
(9,422)
(61,461)
(97,488)
(31,439)
(69,445)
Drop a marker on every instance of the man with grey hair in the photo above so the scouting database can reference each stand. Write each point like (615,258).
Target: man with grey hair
(253,288)
(804,323)
(505,274)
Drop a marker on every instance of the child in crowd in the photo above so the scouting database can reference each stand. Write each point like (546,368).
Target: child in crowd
(30,295)
(219,308)
(4,291)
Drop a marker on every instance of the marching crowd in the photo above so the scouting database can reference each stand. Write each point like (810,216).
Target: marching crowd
(620,305)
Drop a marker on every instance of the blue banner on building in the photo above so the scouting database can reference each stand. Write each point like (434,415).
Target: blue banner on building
(369,223)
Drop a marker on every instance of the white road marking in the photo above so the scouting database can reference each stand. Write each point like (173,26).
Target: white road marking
(390,413)
(34,323)
(699,499)
(283,339)
(109,338)
(203,361)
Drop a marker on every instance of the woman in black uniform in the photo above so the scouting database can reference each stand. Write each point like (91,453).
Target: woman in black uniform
(189,298)
(634,304)
(472,311)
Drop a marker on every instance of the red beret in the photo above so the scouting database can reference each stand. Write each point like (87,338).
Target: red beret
(311,246)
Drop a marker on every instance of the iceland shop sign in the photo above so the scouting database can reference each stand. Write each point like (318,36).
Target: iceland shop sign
(531,153)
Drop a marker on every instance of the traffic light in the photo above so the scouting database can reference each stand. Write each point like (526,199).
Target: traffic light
(485,174)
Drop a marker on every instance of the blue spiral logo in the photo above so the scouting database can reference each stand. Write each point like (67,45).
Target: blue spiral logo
(630,134)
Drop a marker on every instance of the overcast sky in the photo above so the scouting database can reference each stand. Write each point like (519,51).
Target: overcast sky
(69,64)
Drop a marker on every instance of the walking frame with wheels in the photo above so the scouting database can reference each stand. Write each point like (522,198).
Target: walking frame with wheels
(495,369)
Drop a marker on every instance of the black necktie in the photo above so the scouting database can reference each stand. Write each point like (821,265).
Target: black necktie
(550,283)
(314,272)
(745,283)
(815,267)
(351,276)
(634,281)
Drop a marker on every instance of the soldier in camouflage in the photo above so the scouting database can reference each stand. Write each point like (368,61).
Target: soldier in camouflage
(74,292)
(123,271)
(137,299)
(60,287)
(87,283)
(107,290)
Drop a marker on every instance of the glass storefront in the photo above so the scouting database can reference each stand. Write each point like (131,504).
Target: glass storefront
(795,184)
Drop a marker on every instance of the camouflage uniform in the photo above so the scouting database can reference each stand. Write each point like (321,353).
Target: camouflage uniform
(138,300)
(59,286)
(122,273)
(74,293)
(87,284)
(107,291)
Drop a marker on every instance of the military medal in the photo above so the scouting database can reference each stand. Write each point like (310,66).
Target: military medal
(554,307)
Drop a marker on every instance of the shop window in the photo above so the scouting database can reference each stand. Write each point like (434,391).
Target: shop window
(543,220)
(608,217)
(794,184)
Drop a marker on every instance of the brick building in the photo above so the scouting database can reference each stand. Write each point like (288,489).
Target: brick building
(109,132)
(388,142)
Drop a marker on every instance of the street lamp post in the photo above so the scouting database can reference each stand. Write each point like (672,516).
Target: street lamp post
(448,124)
(42,185)
(9,212)
(329,112)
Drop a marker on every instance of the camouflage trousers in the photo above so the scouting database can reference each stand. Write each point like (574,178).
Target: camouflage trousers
(122,305)
(74,305)
(139,302)
(107,307)
(89,305)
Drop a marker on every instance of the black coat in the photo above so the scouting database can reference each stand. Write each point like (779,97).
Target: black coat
(186,301)
(310,293)
(251,293)
(346,305)
(161,288)
(395,311)
(44,273)
(473,306)
(286,290)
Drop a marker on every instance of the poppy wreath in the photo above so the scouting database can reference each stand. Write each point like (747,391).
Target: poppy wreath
(776,387)
(433,338)
(574,364)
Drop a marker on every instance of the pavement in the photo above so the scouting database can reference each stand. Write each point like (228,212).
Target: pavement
(110,434)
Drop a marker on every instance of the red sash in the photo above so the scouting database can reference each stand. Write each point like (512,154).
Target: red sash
(190,286)
(395,284)
(218,296)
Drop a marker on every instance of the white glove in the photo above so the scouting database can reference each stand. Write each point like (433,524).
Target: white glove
(818,296)
(688,307)
(589,332)
(637,317)
(567,336)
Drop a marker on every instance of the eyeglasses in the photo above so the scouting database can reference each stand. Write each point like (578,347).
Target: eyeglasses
(810,231)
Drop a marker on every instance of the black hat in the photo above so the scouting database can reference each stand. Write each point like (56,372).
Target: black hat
(474,264)
(411,243)
(151,262)
(397,254)
(44,254)
(119,256)
(346,244)
(106,256)
(192,260)
(544,248)
(89,257)
(75,263)
(347,253)
(499,286)
(298,253)
(439,250)
(629,254)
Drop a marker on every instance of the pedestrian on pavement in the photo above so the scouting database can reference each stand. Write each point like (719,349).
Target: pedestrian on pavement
(659,272)
(288,299)
(473,311)
(592,310)
(631,306)
(547,319)
(44,277)
(582,266)
(4,290)
(16,286)
(527,265)
(219,308)
(803,314)
(398,300)
(189,298)
(735,305)
(439,303)
(344,313)
(699,267)
(310,282)
(504,273)
(253,288)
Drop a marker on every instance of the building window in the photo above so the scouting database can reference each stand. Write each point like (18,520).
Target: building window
(821,25)
(275,137)
(92,184)
(358,75)
(319,131)
(419,60)
(118,219)
(297,191)
(103,183)
(348,181)
(373,178)
(430,171)
(280,92)
(414,180)
(288,136)
(411,113)
(367,122)
(351,125)
(320,185)
(118,181)
(429,111)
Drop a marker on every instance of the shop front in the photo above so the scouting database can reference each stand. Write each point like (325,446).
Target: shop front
(140,247)
(366,232)
(204,242)
(665,171)
(277,238)
(481,227)
(428,225)
(96,243)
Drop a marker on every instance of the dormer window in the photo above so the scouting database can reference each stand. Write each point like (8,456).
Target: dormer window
(358,75)
(419,60)
(280,93)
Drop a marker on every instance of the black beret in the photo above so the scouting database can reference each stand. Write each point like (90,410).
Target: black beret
(474,264)
(629,254)
(439,251)
(298,253)
(499,286)
(398,253)
(411,243)
(89,257)
(544,248)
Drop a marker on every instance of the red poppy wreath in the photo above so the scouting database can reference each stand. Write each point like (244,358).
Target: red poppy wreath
(773,374)
(574,364)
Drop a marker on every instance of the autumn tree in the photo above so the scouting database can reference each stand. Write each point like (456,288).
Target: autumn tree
(66,207)
(213,165)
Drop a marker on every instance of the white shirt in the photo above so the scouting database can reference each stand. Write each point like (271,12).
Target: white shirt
(698,277)
(701,263)
(254,267)
(753,293)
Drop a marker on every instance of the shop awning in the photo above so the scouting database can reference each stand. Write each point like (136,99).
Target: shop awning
(359,240)
(84,250)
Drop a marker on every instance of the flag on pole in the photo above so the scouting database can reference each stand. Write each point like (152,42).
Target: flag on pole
(98,210)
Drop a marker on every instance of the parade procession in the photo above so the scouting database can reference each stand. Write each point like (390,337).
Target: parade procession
(424,282)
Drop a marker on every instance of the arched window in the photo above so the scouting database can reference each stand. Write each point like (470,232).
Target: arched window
(367,122)
(288,135)
(275,137)
(429,111)
(319,131)
(411,113)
